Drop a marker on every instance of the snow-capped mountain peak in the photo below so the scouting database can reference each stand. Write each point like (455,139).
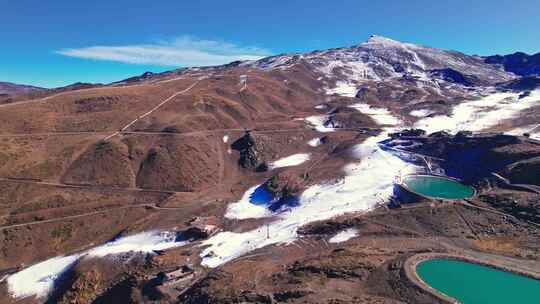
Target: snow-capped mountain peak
(380,41)
(393,63)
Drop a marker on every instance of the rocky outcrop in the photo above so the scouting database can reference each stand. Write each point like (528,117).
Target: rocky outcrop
(123,292)
(215,288)
(284,184)
(524,172)
(325,228)
(252,153)
(473,157)
(524,206)
(84,288)
(453,76)
(407,133)
(289,295)
(522,84)
(365,94)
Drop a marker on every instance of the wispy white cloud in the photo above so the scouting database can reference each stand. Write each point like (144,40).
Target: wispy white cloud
(182,51)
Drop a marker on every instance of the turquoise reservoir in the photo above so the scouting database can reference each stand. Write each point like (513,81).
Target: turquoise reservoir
(476,284)
(437,187)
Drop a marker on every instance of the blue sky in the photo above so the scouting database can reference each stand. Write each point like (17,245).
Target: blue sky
(54,43)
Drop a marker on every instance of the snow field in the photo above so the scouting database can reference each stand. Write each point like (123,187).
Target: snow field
(289,161)
(344,236)
(38,280)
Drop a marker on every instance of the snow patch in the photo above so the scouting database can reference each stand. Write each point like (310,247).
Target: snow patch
(343,88)
(38,280)
(480,114)
(420,113)
(289,161)
(146,242)
(379,115)
(315,142)
(318,122)
(244,209)
(533,131)
(535,136)
(344,236)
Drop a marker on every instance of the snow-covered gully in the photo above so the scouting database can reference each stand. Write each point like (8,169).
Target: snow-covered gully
(366,184)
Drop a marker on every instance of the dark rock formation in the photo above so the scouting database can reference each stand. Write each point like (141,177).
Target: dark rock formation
(284,184)
(123,292)
(522,84)
(285,296)
(525,208)
(407,132)
(473,157)
(454,76)
(251,153)
(524,172)
(518,63)
(364,94)
(325,228)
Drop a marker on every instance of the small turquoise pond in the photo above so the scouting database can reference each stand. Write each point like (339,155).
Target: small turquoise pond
(437,187)
(476,284)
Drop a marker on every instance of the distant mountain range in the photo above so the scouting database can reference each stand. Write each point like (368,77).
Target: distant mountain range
(8,88)
(379,59)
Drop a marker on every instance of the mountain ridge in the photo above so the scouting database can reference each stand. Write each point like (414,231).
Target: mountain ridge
(11,88)
(516,64)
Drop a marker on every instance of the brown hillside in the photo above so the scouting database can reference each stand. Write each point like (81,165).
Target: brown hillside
(104,163)
(180,164)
